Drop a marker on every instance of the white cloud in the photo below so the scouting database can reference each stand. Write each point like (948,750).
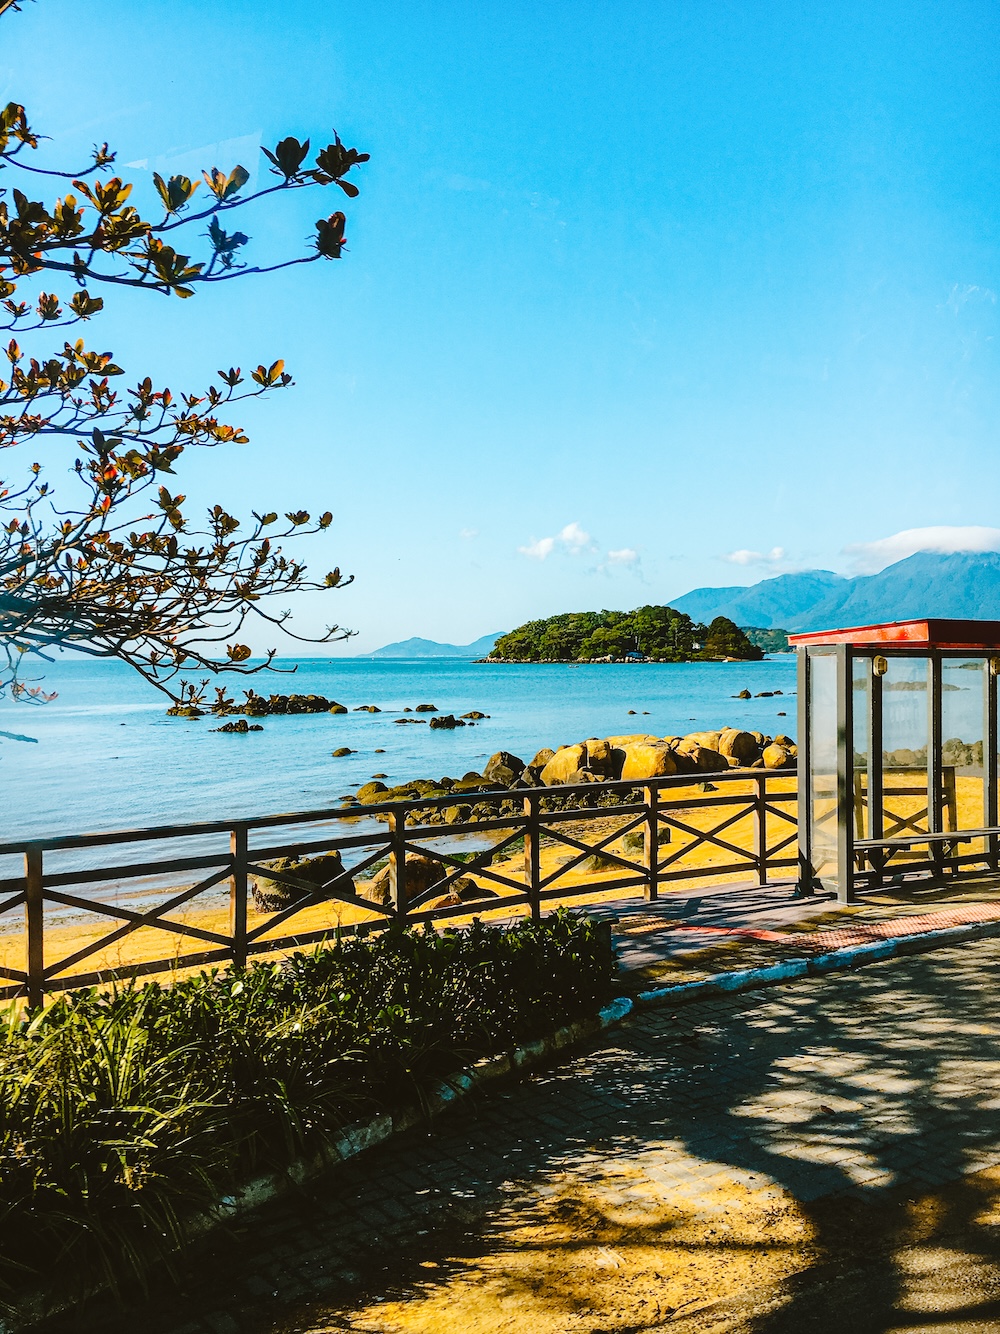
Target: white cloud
(469,533)
(540,549)
(870,557)
(572,538)
(776,556)
(626,556)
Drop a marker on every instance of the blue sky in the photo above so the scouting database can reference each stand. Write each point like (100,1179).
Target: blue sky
(639,296)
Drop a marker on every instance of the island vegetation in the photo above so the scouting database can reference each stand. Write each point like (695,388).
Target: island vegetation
(650,633)
(771,641)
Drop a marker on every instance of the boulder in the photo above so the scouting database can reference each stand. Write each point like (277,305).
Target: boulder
(782,740)
(475,714)
(709,739)
(426,708)
(421,874)
(341,751)
(456,814)
(632,736)
(367,708)
(779,757)
(744,694)
(338,708)
(685,762)
(739,748)
(447,720)
(601,759)
(567,760)
(271,896)
(643,759)
(541,759)
(471,893)
(503,768)
(371,792)
(703,758)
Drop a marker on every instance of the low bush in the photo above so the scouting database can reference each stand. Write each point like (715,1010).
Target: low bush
(125,1112)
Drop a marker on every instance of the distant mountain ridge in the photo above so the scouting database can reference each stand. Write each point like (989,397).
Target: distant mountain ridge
(963,584)
(430,648)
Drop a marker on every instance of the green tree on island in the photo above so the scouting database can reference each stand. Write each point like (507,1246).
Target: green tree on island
(660,634)
(118,568)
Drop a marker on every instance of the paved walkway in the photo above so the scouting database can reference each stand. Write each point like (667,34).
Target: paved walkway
(743,925)
(812,1157)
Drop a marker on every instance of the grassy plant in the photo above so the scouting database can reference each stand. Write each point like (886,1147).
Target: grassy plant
(124,1112)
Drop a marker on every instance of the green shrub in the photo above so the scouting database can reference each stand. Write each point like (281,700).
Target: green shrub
(123,1112)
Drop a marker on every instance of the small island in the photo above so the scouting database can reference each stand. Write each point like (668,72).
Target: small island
(648,634)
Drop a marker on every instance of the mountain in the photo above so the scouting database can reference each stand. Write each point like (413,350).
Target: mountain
(429,648)
(772,603)
(963,584)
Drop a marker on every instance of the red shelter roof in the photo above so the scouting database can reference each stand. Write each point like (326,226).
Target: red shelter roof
(972,635)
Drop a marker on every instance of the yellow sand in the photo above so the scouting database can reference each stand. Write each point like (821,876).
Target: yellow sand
(684,852)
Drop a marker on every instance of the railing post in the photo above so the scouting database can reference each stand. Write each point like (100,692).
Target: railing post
(238,840)
(760,828)
(397,862)
(651,843)
(532,855)
(34,926)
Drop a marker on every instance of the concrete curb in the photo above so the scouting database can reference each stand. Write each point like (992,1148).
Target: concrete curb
(749,979)
(354,1140)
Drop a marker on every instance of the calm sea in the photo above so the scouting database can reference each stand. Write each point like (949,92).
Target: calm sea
(107,757)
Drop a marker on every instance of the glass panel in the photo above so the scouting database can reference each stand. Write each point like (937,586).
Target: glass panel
(861,684)
(823,764)
(904,749)
(962,777)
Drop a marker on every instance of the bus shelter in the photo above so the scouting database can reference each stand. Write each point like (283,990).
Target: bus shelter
(897,753)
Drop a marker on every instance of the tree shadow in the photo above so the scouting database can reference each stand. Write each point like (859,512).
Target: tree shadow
(854,1107)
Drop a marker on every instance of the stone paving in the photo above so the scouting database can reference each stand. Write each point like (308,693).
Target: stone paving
(669,1136)
(739,925)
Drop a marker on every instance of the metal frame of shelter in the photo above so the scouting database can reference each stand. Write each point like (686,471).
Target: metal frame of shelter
(851,836)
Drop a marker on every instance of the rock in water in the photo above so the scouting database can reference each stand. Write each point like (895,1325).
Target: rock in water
(371,792)
(447,720)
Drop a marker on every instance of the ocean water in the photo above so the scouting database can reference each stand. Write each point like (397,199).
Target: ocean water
(105,755)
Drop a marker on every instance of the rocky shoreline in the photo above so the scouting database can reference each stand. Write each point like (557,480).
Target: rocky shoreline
(632,758)
(499,789)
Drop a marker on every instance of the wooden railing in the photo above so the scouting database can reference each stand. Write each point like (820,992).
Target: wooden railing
(734,824)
